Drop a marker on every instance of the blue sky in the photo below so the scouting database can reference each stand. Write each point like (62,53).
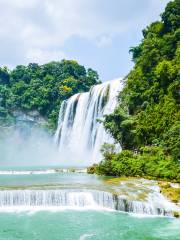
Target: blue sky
(96,33)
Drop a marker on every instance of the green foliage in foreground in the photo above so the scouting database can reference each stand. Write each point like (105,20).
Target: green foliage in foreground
(151,162)
(147,121)
(42,87)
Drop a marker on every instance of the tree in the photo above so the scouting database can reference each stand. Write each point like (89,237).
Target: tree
(146,121)
(44,87)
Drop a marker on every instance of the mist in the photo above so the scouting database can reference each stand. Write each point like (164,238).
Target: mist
(23,145)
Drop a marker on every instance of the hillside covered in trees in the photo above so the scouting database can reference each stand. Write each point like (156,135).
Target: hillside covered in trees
(42,88)
(147,121)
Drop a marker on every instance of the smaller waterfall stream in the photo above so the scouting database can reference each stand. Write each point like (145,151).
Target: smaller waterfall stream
(70,198)
(80,135)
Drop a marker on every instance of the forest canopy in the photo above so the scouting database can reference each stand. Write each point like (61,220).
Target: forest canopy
(42,87)
(147,120)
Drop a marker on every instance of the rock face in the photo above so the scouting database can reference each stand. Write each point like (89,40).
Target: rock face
(24,123)
(29,116)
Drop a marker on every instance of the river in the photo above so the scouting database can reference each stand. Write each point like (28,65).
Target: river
(48,204)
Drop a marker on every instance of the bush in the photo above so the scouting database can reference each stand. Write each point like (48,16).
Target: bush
(151,162)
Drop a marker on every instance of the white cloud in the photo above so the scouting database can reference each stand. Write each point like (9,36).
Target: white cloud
(36,30)
(43,56)
(103,41)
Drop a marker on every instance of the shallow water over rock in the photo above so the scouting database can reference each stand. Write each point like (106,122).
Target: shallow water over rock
(47,203)
(80,190)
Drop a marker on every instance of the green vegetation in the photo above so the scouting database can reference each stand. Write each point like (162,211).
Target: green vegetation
(150,162)
(42,88)
(147,121)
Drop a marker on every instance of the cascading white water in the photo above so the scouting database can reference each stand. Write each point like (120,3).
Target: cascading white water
(80,135)
(71,198)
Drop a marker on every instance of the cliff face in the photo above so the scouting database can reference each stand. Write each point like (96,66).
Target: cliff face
(29,116)
(23,123)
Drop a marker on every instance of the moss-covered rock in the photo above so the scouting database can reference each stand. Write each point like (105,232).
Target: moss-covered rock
(170,192)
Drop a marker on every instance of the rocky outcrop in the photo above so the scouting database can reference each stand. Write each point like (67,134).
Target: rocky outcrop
(32,116)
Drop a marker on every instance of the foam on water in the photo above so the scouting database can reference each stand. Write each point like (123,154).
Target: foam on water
(48,171)
(86,236)
(27,172)
(63,199)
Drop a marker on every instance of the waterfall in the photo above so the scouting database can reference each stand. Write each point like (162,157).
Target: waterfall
(79,134)
(71,198)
